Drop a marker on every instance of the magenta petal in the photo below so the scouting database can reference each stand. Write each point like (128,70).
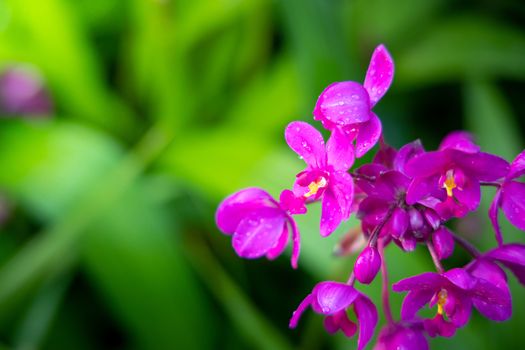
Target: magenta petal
(513,257)
(427,164)
(493,302)
(368,135)
(406,153)
(331,297)
(469,195)
(413,302)
(379,75)
(340,321)
(343,103)
(307,142)
(331,215)
(424,281)
(461,141)
(238,205)
(482,166)
(458,308)
(258,233)
(420,188)
(296,240)
(513,203)
(299,311)
(279,247)
(339,151)
(438,326)
(398,223)
(342,186)
(493,215)
(443,242)
(460,278)
(517,168)
(366,314)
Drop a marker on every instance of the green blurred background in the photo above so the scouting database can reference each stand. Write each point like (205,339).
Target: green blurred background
(160,108)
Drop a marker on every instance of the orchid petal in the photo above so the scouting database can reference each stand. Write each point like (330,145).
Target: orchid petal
(493,302)
(307,142)
(461,141)
(343,103)
(420,188)
(469,195)
(342,186)
(331,215)
(366,314)
(279,247)
(513,257)
(443,242)
(427,164)
(424,281)
(238,205)
(406,153)
(258,233)
(482,166)
(493,216)
(368,135)
(339,151)
(332,297)
(458,308)
(414,301)
(296,242)
(379,75)
(340,321)
(460,278)
(513,203)
(517,167)
(299,311)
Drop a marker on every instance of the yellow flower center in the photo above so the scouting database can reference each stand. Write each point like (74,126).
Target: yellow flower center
(442,299)
(315,186)
(449,183)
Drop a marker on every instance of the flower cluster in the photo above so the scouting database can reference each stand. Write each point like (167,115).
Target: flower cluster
(404,197)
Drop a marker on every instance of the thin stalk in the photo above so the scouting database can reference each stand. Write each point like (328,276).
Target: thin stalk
(466,245)
(385,292)
(435,258)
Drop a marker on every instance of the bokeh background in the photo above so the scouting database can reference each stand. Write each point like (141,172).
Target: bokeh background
(124,123)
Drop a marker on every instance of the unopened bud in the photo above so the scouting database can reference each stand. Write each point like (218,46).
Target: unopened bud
(367,265)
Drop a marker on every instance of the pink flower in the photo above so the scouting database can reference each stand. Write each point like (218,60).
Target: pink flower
(259,225)
(348,105)
(326,172)
(332,299)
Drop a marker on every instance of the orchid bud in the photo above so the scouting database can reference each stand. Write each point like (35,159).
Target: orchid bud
(367,265)
(443,242)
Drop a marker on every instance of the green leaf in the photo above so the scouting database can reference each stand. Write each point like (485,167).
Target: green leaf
(135,259)
(463,47)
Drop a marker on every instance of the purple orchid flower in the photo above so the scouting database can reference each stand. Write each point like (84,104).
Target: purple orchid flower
(512,256)
(332,299)
(511,198)
(386,191)
(259,225)
(22,91)
(348,105)
(326,173)
(454,292)
(448,180)
(400,336)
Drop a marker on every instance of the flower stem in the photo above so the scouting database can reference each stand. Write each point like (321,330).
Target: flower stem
(466,245)
(375,234)
(385,293)
(434,256)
